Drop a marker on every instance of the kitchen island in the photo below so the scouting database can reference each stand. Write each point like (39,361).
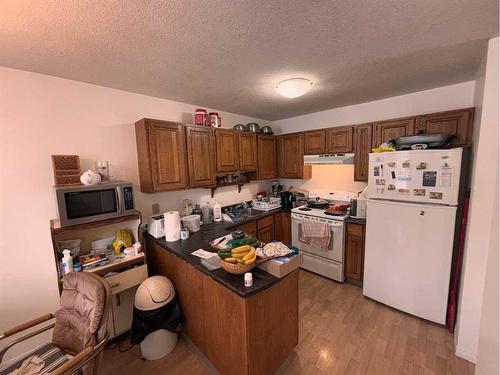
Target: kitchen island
(240,330)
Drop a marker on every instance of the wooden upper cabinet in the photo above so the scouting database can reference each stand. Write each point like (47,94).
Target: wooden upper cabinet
(339,139)
(362,147)
(161,154)
(291,155)
(248,151)
(201,156)
(314,142)
(386,130)
(266,154)
(226,151)
(458,123)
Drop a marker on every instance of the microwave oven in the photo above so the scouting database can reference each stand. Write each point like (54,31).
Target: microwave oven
(86,204)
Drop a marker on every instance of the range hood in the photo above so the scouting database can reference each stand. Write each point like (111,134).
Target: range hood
(329,159)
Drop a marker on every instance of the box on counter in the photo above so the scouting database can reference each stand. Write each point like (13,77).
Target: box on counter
(281,267)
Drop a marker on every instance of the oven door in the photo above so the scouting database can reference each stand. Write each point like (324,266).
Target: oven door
(335,250)
(79,205)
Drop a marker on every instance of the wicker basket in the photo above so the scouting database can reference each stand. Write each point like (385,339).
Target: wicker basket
(236,269)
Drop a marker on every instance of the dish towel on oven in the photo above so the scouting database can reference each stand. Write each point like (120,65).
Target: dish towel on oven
(317,233)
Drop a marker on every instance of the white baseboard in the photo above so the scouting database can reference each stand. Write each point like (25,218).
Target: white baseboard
(468,356)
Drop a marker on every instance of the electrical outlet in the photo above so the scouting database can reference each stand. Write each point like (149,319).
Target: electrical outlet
(156,208)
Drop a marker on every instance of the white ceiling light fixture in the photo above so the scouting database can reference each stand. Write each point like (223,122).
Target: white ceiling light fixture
(293,87)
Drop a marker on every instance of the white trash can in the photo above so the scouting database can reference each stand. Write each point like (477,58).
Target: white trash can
(154,293)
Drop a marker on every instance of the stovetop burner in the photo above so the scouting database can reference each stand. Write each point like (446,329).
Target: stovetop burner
(305,209)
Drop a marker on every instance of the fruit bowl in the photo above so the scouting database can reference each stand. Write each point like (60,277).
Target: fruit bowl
(236,268)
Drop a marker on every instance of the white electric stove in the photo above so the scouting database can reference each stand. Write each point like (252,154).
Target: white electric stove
(330,262)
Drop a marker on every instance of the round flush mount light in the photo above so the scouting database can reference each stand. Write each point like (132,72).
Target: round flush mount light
(293,87)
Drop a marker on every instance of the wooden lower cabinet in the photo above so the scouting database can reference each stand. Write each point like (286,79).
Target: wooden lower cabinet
(252,335)
(286,227)
(355,252)
(250,228)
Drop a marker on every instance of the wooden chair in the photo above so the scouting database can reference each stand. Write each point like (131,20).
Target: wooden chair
(80,329)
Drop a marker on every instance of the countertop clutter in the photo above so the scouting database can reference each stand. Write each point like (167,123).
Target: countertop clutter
(199,240)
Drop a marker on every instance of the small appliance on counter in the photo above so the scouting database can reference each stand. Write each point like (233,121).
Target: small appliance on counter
(156,226)
(286,199)
(358,208)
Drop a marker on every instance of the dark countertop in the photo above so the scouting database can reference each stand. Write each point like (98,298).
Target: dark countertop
(199,240)
(355,220)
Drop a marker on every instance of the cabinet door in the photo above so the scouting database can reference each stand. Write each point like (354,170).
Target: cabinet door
(314,142)
(291,155)
(200,151)
(248,152)
(459,123)
(278,231)
(250,228)
(266,234)
(226,150)
(390,129)
(286,228)
(161,155)
(362,148)
(339,139)
(355,245)
(266,145)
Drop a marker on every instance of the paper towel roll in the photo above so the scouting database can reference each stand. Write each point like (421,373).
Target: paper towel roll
(172,226)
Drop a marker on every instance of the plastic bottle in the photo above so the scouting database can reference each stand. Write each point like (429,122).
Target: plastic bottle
(206,213)
(248,279)
(67,261)
(197,211)
(217,212)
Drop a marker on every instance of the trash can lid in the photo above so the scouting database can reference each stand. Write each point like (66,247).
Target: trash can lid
(154,292)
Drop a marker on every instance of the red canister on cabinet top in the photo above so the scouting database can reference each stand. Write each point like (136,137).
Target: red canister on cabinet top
(200,116)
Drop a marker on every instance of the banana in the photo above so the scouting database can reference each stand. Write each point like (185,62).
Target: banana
(239,255)
(230,260)
(250,254)
(251,260)
(241,249)
(240,261)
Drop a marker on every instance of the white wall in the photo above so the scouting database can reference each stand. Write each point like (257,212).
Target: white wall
(42,115)
(488,345)
(342,177)
(483,193)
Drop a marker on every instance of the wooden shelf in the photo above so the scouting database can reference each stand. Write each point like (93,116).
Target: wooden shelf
(55,225)
(116,265)
(239,184)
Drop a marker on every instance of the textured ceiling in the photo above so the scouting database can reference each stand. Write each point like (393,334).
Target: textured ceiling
(230,54)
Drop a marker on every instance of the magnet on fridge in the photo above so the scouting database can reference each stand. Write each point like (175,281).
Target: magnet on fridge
(393,174)
(391,164)
(435,195)
(422,166)
(376,170)
(419,192)
(406,164)
(391,187)
(405,191)
(382,181)
(429,178)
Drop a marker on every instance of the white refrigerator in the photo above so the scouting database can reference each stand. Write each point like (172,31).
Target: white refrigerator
(410,226)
